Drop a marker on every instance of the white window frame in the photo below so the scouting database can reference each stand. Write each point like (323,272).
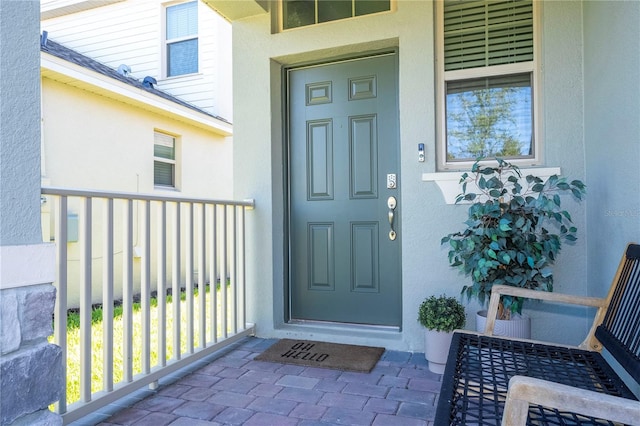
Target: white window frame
(173,162)
(166,42)
(442,77)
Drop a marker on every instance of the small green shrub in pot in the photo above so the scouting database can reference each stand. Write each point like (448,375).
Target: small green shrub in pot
(441,313)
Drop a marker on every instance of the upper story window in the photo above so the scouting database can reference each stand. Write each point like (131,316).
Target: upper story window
(298,13)
(182,39)
(487,81)
(164,160)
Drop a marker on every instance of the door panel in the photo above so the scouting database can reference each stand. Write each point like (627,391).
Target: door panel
(364,257)
(320,160)
(343,141)
(321,255)
(364,165)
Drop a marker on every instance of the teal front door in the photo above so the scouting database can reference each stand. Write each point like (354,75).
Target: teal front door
(344,197)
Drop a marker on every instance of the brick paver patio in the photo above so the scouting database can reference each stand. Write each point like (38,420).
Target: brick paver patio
(233,389)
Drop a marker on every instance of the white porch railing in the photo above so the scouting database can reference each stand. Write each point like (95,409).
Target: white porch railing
(155,244)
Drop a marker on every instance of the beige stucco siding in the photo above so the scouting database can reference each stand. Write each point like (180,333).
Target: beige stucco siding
(95,143)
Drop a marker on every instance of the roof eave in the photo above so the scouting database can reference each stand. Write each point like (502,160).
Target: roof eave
(66,72)
(233,10)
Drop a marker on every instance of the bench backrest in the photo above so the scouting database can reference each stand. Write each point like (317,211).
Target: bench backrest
(619,331)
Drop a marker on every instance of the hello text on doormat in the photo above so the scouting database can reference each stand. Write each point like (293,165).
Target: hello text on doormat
(322,354)
(302,350)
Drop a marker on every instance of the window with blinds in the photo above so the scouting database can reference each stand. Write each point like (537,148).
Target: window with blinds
(487,80)
(182,39)
(164,160)
(485,33)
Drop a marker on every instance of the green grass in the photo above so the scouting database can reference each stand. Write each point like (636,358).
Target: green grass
(73,339)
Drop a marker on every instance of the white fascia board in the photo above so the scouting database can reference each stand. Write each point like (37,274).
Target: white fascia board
(92,81)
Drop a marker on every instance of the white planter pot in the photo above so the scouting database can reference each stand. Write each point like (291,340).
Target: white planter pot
(518,326)
(436,349)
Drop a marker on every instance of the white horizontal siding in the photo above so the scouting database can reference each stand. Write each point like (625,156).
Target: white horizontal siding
(125,32)
(130,32)
(108,23)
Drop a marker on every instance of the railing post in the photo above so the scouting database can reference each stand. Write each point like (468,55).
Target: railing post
(233,273)
(145,285)
(189,277)
(60,327)
(175,285)
(223,272)
(202,271)
(127,290)
(107,295)
(213,274)
(242,279)
(85,300)
(162,283)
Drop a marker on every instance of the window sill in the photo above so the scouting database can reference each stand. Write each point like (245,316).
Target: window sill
(179,76)
(449,182)
(165,188)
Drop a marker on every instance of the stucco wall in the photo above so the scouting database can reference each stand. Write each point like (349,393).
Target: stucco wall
(91,142)
(19,163)
(612,134)
(612,137)
(258,59)
(96,143)
(30,369)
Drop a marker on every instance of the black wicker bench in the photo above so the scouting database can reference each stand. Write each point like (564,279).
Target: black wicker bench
(490,380)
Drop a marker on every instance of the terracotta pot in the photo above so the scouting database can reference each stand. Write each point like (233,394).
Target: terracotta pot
(518,326)
(436,349)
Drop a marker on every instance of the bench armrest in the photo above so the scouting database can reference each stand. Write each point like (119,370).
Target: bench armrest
(527,390)
(590,343)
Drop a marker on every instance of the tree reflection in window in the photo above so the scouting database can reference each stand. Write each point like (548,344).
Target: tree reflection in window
(489,117)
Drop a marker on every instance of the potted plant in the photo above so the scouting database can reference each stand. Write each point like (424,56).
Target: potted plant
(514,231)
(440,316)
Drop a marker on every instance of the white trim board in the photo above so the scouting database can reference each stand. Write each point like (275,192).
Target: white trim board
(26,265)
(449,182)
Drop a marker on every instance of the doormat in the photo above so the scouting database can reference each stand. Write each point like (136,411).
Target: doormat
(324,355)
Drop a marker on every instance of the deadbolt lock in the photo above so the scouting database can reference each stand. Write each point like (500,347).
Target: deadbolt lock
(391,202)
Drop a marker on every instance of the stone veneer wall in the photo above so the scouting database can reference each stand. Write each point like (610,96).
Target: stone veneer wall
(30,368)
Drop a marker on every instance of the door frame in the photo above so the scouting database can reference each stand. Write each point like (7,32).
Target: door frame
(286,154)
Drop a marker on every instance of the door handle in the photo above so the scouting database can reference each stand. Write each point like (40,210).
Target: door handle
(392,203)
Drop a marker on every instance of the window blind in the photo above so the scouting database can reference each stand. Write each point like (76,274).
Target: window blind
(182,57)
(164,146)
(487,32)
(164,164)
(163,174)
(496,82)
(182,20)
